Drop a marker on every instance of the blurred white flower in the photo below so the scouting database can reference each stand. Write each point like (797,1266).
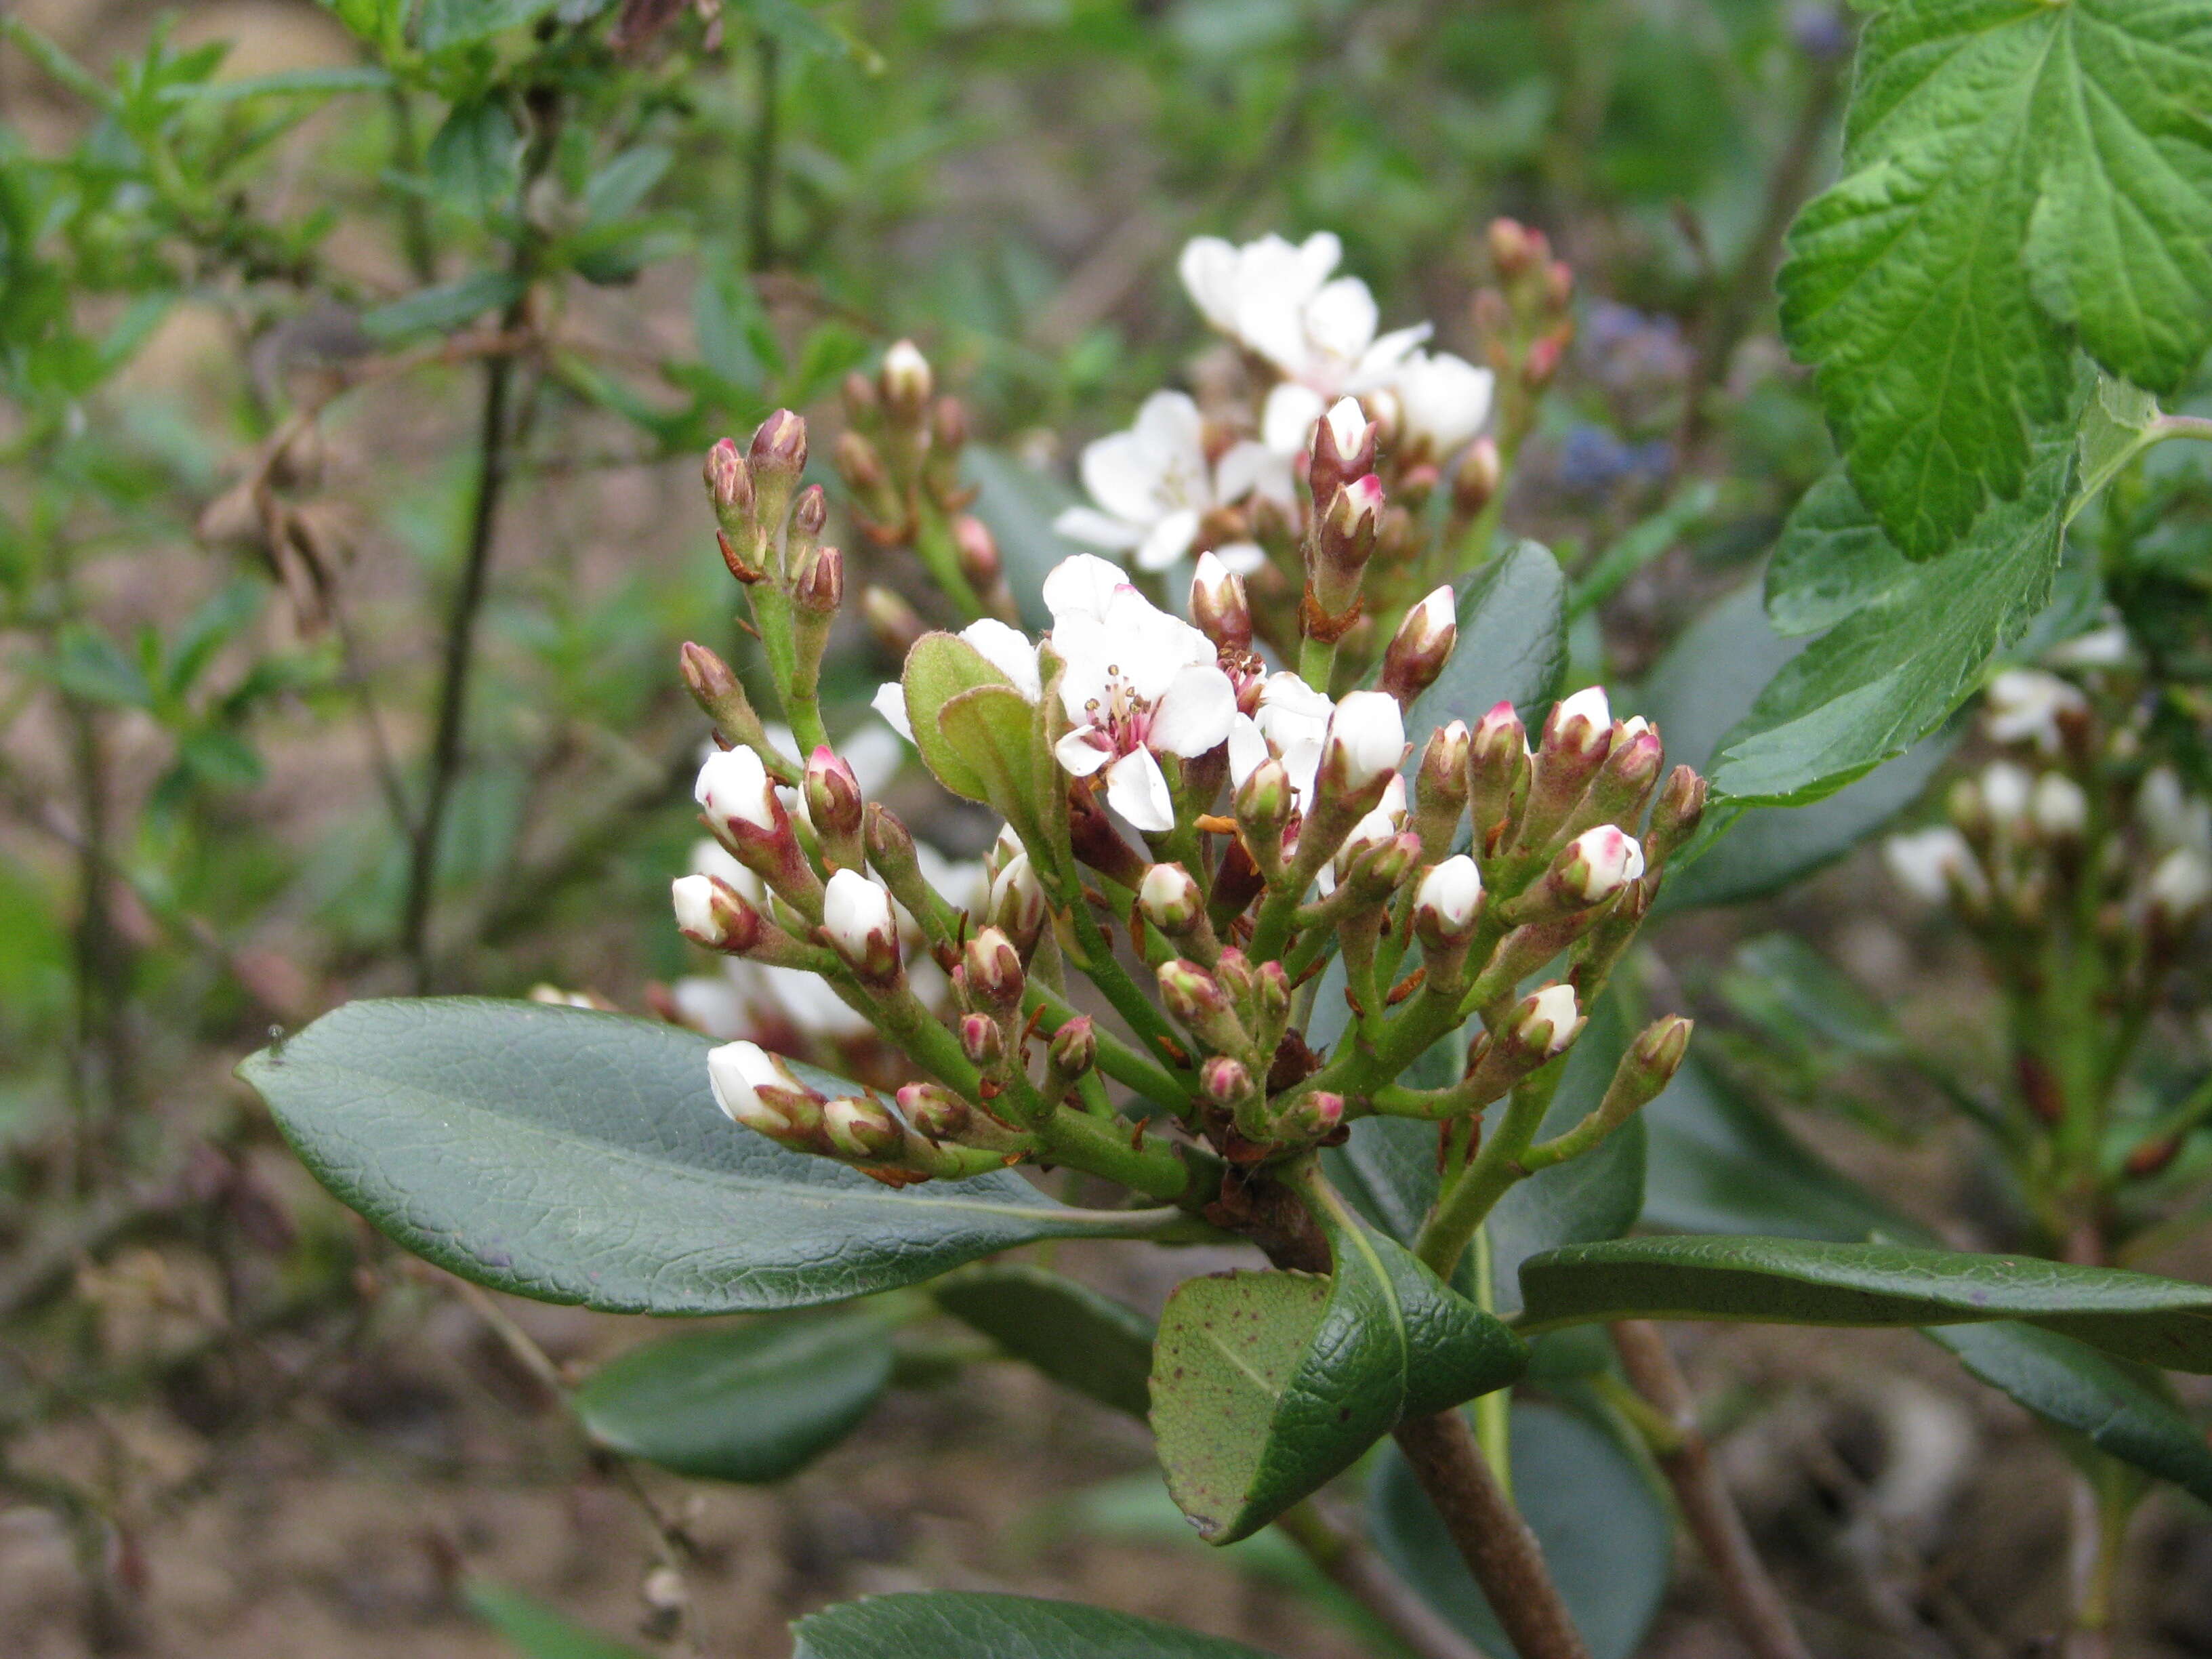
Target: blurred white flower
(1926,862)
(1442,400)
(1153,486)
(2025,705)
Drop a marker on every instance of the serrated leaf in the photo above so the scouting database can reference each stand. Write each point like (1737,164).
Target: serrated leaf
(1077,1337)
(1789,1281)
(938,668)
(578,1156)
(2124,1411)
(971,1625)
(1604,1529)
(2016,176)
(1708,682)
(1892,672)
(1512,643)
(537,1630)
(1719,1162)
(1831,558)
(1265,1386)
(751,1404)
(447,23)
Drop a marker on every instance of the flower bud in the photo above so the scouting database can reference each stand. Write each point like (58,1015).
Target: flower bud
(1073,1048)
(1511,254)
(2059,808)
(810,512)
(861,1128)
(977,551)
(1597,864)
(1631,767)
(1366,740)
(1675,815)
(2179,886)
(890,844)
(1440,784)
(1224,1081)
(1934,865)
(734,792)
(1375,829)
(1338,550)
(1170,899)
(779,447)
(934,1111)
(1017,902)
(1446,904)
(906,381)
(861,467)
(862,405)
(1262,803)
(1476,481)
(1548,1020)
(818,585)
(1218,606)
(1314,1116)
(993,970)
(1416,654)
(755,1088)
(895,623)
(2007,791)
(1197,1001)
(1497,770)
(832,794)
(729,482)
(712,912)
(948,427)
(714,686)
(858,922)
(982,1042)
(1579,724)
(1381,869)
(1343,450)
(1657,1054)
(1578,736)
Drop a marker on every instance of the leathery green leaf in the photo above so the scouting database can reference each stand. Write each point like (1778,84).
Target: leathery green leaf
(573,1156)
(938,668)
(1512,643)
(537,1630)
(753,1403)
(2123,1410)
(1267,1385)
(1792,1281)
(1074,1335)
(972,1625)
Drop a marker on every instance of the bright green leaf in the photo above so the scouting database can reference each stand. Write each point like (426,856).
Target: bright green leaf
(1831,559)
(1077,1337)
(2016,176)
(1789,1281)
(754,1403)
(578,1156)
(445,23)
(87,663)
(2124,1411)
(537,1630)
(1267,1385)
(971,1625)
(1892,671)
(938,668)
(1605,1530)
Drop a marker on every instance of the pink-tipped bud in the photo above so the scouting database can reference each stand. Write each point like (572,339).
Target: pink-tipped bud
(712,912)
(1380,871)
(1315,1116)
(907,381)
(834,805)
(862,405)
(739,801)
(1597,864)
(1675,814)
(1579,724)
(1558,285)
(810,512)
(1545,1021)
(1541,365)
(1017,902)
(1365,742)
(1343,450)
(890,845)
(1196,999)
(756,1089)
(714,686)
(1511,253)
(1224,1081)
(1356,509)
(936,1113)
(859,925)
(894,623)
(1416,654)
(1170,899)
(1448,903)
(861,1128)
(977,550)
(817,587)
(1218,606)
(729,481)
(1497,768)
(982,1042)
(948,426)
(992,969)
(779,445)
(1073,1048)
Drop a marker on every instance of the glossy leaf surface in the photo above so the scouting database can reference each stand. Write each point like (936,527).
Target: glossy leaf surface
(1512,644)
(1078,1338)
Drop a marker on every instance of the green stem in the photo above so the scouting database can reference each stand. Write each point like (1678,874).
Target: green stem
(1103,1146)
(1494,1411)
(1317,663)
(932,543)
(1445,1236)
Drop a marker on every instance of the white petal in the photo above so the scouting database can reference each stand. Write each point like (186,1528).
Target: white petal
(1208,269)
(1318,254)
(1196,712)
(1247,748)
(1340,319)
(890,701)
(1446,399)
(1077,755)
(1239,558)
(1169,539)
(1092,528)
(1082,586)
(1123,476)
(1169,424)
(1379,364)
(1138,790)
(1008,650)
(1240,470)
(1286,423)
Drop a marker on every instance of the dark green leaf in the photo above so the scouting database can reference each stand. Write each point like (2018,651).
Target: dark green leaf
(1830,558)
(443,308)
(1894,670)
(1267,1385)
(970,1624)
(2016,176)
(1075,1336)
(1789,1281)
(475,158)
(1605,1531)
(1800,1003)
(446,23)
(1512,643)
(1720,1163)
(616,188)
(539,1632)
(578,1156)
(2124,1411)
(754,1403)
(87,663)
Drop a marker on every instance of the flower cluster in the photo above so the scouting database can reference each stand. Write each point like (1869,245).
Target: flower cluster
(1193,841)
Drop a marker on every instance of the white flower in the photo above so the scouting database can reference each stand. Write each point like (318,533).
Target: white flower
(856,915)
(1006,648)
(1291,724)
(734,787)
(2007,790)
(1449,895)
(2100,648)
(1139,684)
(1366,738)
(1590,703)
(2025,705)
(2180,884)
(1925,863)
(2171,816)
(1443,401)
(738,1073)
(1226,283)
(1153,485)
(2059,808)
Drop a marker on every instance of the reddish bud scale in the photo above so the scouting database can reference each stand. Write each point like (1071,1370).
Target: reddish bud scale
(977,550)
(992,970)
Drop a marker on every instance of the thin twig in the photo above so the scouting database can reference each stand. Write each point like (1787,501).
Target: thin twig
(1496,1543)
(1346,1560)
(1754,1603)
